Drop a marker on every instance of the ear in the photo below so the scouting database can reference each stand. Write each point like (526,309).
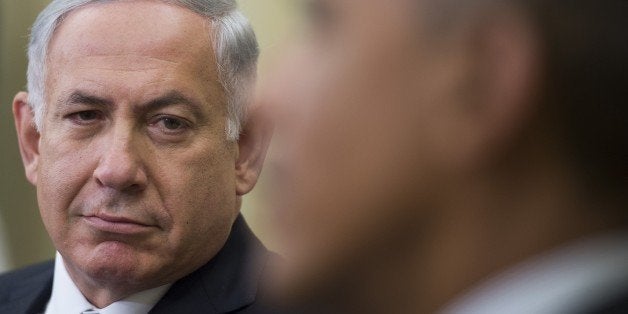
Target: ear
(27,135)
(509,56)
(252,147)
(502,82)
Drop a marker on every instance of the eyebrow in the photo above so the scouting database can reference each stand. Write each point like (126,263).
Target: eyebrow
(170,98)
(79,97)
(173,97)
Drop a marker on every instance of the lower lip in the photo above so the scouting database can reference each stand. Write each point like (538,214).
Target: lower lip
(115,227)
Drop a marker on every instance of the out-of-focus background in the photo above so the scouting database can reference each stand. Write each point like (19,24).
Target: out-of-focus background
(23,239)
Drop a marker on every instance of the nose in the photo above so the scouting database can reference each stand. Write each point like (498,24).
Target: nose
(120,166)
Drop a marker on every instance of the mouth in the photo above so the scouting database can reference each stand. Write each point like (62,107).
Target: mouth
(115,224)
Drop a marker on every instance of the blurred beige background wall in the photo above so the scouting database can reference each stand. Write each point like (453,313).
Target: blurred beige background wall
(23,239)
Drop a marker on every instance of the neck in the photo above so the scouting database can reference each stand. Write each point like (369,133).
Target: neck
(493,222)
(484,227)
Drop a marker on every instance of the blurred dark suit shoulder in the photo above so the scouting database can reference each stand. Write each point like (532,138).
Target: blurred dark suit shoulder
(615,305)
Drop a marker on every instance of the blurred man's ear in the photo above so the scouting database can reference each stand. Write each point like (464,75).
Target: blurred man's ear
(253,144)
(509,73)
(500,81)
(27,135)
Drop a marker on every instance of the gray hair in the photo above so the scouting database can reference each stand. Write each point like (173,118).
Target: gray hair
(234,44)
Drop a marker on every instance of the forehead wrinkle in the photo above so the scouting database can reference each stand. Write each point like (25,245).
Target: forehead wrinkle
(123,69)
(134,55)
(122,62)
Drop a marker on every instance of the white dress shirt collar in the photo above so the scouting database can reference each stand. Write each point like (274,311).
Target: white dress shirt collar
(66,298)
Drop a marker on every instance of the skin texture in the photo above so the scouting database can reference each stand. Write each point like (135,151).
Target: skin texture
(412,160)
(136,181)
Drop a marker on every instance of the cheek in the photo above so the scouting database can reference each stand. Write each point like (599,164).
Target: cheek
(63,170)
(346,160)
(340,184)
(201,221)
(198,191)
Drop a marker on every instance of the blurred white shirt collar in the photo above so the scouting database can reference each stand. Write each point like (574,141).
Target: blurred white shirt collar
(67,299)
(563,281)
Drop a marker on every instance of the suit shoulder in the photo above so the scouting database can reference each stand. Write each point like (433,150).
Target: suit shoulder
(26,290)
(11,279)
(616,304)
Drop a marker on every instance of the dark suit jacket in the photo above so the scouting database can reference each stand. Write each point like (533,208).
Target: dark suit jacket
(616,304)
(226,284)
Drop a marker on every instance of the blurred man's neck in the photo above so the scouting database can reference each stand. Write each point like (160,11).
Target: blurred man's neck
(492,220)
(484,225)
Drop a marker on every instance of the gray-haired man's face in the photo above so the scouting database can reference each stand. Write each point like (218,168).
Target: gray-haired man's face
(135,177)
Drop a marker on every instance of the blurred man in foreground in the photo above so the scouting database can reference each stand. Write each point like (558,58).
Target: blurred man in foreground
(131,134)
(427,146)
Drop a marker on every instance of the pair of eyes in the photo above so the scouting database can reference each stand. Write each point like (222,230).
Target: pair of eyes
(168,122)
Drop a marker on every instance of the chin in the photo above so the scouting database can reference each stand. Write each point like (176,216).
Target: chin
(111,261)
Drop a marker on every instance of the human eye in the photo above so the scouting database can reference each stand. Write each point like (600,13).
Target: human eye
(168,125)
(85,117)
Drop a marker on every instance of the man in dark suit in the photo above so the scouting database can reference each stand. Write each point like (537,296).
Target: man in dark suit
(459,155)
(134,133)
(226,284)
